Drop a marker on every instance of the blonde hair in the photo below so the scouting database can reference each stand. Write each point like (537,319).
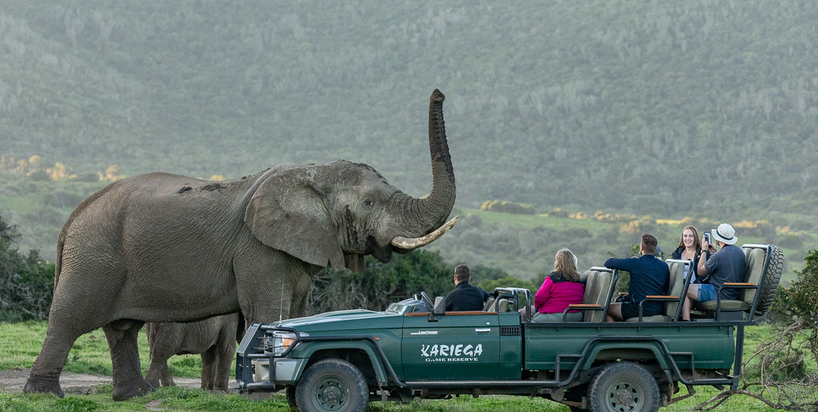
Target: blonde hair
(566,263)
(695,237)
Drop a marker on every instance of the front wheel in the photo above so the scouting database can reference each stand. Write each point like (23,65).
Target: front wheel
(624,387)
(332,385)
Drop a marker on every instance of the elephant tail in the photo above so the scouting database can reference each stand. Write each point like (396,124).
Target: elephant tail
(66,227)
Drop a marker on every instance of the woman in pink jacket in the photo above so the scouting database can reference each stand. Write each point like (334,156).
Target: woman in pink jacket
(561,288)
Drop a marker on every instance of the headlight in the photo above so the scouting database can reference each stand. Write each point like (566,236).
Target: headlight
(278,341)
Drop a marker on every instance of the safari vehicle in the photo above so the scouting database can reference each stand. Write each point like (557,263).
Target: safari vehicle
(339,361)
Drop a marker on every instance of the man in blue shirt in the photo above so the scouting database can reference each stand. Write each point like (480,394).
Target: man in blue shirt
(648,276)
(724,266)
(465,297)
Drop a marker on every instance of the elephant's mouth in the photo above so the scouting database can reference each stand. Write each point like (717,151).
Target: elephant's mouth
(382,253)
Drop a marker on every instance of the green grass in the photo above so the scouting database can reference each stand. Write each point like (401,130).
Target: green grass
(20,343)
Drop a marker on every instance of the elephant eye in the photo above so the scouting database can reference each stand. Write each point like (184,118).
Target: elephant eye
(368,204)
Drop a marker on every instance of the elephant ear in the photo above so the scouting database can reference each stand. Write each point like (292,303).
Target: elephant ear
(287,213)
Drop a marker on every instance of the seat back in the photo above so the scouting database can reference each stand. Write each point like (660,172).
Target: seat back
(753,268)
(676,284)
(489,305)
(597,289)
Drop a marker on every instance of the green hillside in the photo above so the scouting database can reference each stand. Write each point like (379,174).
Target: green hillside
(648,106)
(670,109)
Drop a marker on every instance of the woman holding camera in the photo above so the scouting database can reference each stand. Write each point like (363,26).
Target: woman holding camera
(690,247)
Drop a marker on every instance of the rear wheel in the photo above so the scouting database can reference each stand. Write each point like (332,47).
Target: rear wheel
(624,387)
(332,385)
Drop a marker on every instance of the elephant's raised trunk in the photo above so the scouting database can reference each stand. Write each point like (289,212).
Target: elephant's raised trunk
(424,215)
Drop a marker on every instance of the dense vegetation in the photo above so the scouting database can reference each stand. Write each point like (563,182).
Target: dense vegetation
(670,108)
(26,282)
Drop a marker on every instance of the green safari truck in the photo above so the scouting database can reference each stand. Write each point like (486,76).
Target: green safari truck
(339,361)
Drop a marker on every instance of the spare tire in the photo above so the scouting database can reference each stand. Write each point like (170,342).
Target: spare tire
(772,276)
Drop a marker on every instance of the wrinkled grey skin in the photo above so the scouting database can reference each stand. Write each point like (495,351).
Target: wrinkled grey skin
(169,248)
(215,338)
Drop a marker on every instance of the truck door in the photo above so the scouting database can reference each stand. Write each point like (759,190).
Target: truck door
(459,346)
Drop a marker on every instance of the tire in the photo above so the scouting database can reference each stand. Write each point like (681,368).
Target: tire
(290,393)
(772,277)
(332,385)
(624,387)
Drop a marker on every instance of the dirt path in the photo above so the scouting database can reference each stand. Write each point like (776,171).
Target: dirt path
(13,381)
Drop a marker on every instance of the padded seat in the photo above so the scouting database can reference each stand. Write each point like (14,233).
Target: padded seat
(598,288)
(500,306)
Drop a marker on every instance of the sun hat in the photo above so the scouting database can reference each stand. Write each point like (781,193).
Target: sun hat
(725,233)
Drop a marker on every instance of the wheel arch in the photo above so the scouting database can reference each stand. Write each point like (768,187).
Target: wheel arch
(360,354)
(630,351)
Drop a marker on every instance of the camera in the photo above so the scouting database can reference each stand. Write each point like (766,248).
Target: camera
(707,237)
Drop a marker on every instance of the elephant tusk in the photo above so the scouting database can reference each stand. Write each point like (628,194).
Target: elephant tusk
(414,243)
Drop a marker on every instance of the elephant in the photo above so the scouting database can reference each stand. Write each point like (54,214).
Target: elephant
(214,338)
(168,248)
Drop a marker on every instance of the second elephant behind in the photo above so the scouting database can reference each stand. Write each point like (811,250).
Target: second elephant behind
(214,338)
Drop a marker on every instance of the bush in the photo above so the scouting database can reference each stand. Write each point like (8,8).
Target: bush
(508,207)
(26,283)
(798,300)
(381,283)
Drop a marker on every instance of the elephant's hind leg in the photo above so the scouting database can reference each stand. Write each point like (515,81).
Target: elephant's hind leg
(45,373)
(128,380)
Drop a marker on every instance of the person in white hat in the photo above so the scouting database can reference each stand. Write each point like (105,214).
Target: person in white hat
(726,265)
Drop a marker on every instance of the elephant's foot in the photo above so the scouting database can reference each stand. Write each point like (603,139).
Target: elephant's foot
(43,384)
(135,387)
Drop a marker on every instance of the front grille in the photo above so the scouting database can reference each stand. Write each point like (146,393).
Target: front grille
(509,331)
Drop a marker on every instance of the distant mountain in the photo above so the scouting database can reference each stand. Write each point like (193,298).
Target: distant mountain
(668,108)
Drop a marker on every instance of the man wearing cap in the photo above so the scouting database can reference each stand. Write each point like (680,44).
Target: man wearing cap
(724,266)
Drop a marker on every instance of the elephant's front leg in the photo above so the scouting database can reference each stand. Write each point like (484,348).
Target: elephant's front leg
(225,349)
(127,371)
(209,368)
(165,339)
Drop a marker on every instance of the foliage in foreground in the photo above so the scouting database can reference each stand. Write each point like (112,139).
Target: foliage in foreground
(25,281)
(783,371)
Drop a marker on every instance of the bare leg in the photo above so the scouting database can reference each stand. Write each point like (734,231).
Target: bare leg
(692,294)
(122,340)
(614,313)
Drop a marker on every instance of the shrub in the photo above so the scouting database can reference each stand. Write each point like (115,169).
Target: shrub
(798,300)
(381,283)
(26,283)
(508,207)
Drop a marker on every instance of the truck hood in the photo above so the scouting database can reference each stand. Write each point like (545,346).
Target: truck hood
(356,321)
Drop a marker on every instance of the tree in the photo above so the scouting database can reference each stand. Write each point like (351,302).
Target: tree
(26,282)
